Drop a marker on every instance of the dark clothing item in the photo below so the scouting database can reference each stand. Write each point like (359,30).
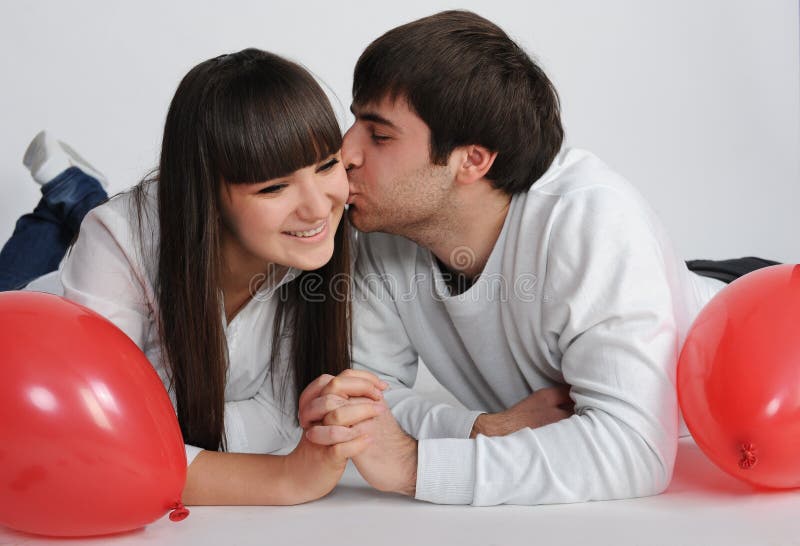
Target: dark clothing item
(41,238)
(728,270)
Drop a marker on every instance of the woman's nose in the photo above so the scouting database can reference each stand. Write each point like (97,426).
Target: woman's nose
(314,203)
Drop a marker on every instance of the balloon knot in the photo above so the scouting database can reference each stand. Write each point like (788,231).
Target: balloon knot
(749,458)
(179,512)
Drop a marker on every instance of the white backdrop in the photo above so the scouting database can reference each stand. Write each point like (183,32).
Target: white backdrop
(697,103)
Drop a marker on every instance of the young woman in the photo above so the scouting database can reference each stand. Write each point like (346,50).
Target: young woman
(226,269)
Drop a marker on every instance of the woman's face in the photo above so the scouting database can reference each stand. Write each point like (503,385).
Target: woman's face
(286,221)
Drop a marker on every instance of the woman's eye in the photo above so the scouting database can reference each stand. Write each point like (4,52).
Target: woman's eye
(379,138)
(328,165)
(272,189)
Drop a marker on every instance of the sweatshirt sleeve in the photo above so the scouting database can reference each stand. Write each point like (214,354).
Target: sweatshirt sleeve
(610,322)
(102,273)
(255,425)
(381,346)
(260,424)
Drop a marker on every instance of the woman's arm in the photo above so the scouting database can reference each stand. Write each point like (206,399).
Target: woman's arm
(306,474)
(309,472)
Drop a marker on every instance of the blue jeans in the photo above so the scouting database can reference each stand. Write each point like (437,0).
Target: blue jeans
(41,238)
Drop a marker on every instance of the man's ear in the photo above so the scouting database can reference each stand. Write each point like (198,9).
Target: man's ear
(474,161)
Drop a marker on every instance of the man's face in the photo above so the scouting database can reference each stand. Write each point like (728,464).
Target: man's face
(394,187)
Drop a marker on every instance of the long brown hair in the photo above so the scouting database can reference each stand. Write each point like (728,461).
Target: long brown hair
(241,118)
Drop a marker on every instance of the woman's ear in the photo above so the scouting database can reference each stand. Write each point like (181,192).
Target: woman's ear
(474,162)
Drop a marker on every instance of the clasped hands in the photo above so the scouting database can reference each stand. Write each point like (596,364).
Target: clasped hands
(347,412)
(347,415)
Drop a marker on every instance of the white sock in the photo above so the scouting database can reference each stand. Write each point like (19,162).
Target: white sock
(46,158)
(51,168)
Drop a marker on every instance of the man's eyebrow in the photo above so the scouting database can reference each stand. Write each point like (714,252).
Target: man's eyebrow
(367,115)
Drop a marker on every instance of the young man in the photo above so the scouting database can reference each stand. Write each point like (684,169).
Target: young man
(527,277)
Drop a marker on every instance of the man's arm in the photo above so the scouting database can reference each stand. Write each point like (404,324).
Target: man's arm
(542,407)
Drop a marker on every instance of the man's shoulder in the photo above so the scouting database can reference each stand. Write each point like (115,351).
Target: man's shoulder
(575,170)
(583,207)
(579,185)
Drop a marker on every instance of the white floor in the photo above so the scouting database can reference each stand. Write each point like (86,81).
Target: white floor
(703,506)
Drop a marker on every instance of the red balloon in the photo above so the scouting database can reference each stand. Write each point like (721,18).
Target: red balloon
(90,441)
(739,378)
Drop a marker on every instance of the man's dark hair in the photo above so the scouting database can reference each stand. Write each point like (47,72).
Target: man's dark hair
(471,84)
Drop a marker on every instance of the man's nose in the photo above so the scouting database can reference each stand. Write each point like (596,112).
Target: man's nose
(351,150)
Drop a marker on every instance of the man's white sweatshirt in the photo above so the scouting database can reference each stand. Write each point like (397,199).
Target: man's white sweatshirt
(583,287)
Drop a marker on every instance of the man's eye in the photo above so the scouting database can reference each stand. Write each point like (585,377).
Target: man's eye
(379,138)
(272,189)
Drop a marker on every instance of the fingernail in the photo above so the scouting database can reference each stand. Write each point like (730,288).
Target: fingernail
(384,384)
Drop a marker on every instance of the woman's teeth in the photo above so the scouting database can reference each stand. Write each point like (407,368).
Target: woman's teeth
(309,233)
